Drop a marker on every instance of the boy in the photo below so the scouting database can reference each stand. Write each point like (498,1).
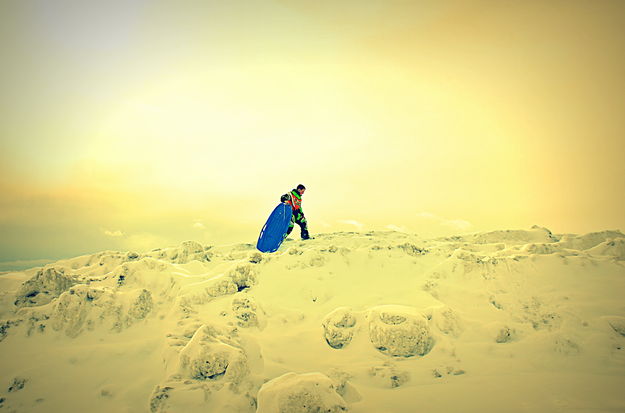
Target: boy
(294,198)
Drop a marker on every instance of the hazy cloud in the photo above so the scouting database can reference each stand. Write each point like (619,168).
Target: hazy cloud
(355,223)
(146,241)
(116,233)
(459,224)
(394,227)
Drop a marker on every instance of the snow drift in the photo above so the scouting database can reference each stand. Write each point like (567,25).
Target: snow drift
(352,321)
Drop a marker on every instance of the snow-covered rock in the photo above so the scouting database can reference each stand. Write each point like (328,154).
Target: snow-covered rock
(300,393)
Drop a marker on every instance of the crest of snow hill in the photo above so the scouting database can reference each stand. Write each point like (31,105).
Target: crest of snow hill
(213,361)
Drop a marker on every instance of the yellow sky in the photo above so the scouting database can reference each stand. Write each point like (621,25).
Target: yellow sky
(134,126)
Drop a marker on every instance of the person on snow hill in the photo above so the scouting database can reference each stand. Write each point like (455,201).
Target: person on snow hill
(294,198)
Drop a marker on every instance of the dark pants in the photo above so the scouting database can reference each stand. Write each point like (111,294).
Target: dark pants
(298,218)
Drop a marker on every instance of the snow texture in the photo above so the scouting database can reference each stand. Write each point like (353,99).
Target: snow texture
(352,321)
(300,393)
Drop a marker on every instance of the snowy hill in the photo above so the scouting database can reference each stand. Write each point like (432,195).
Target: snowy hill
(512,320)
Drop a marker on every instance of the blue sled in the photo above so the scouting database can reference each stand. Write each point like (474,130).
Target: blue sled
(274,231)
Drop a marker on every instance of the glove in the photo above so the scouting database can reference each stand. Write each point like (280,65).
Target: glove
(284,198)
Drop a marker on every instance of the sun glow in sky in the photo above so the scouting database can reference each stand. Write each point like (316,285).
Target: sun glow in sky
(134,125)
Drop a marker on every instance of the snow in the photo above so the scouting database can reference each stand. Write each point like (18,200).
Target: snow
(514,320)
(300,393)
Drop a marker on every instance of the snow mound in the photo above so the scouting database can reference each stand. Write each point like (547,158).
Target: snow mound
(237,279)
(96,264)
(612,247)
(338,327)
(187,251)
(447,321)
(45,286)
(535,234)
(300,393)
(191,396)
(587,241)
(216,368)
(147,273)
(83,308)
(399,331)
(213,356)
(103,262)
(245,310)
(540,248)
(506,334)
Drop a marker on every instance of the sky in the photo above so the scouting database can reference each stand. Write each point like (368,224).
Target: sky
(142,124)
